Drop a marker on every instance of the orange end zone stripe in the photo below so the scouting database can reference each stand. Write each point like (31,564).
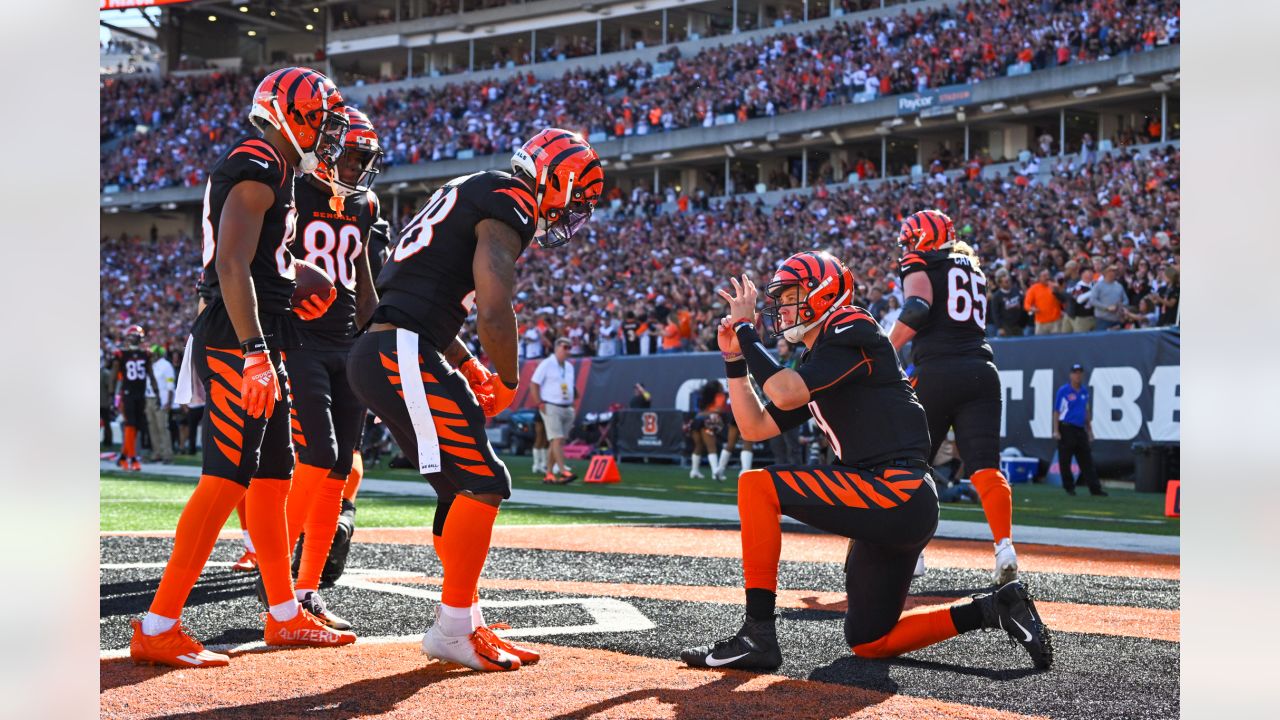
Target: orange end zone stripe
(801,547)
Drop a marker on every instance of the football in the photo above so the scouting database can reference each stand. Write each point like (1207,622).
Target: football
(311,280)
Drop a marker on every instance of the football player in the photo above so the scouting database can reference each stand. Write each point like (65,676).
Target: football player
(335,214)
(130,374)
(458,254)
(879,493)
(945,319)
(248,283)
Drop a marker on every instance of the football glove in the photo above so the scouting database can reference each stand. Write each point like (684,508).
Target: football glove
(259,386)
(315,306)
(476,375)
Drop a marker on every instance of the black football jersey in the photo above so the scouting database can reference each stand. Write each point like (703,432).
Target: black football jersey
(957,322)
(427,284)
(272,265)
(133,370)
(860,398)
(334,242)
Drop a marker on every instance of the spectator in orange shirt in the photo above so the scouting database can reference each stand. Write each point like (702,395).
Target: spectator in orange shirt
(684,320)
(1042,301)
(671,336)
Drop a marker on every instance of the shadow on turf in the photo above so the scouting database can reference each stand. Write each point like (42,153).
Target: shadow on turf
(724,697)
(133,597)
(874,673)
(359,699)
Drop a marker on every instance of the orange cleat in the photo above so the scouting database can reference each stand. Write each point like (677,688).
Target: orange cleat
(135,466)
(122,462)
(173,647)
(527,656)
(248,562)
(304,629)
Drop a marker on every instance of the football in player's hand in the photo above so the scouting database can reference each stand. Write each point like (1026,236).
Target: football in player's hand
(311,280)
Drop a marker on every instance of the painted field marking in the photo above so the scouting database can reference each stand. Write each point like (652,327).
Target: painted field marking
(1114,520)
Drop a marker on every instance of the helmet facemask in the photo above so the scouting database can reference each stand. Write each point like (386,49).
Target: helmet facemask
(802,312)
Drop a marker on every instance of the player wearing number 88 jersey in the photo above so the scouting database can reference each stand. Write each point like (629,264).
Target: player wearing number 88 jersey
(944,317)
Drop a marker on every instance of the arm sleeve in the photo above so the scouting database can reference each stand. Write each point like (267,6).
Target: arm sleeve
(788,419)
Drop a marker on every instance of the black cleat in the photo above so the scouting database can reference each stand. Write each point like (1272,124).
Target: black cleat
(314,604)
(1011,609)
(754,647)
(337,560)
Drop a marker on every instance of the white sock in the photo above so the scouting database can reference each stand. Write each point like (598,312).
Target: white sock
(745,458)
(153,624)
(301,593)
(724,460)
(454,621)
(477,615)
(713,460)
(285,611)
(248,544)
(539,459)
(696,461)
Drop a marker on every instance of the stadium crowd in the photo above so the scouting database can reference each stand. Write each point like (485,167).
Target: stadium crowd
(640,279)
(159,133)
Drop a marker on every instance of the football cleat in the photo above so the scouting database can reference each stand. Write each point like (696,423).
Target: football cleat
(304,629)
(526,655)
(248,562)
(920,568)
(695,475)
(567,476)
(474,650)
(1006,563)
(336,563)
(314,604)
(123,462)
(754,647)
(134,465)
(173,647)
(1011,609)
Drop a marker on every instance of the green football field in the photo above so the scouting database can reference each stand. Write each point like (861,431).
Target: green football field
(131,502)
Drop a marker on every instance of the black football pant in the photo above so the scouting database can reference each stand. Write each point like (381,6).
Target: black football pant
(1074,442)
(326,415)
(965,395)
(889,512)
(236,446)
(430,411)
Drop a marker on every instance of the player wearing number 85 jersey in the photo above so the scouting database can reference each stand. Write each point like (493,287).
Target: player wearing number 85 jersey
(460,252)
(945,318)
(335,213)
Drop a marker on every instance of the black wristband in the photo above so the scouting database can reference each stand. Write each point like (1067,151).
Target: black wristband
(759,362)
(254,345)
(735,368)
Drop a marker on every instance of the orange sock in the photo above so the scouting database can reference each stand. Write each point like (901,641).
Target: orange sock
(307,480)
(917,628)
(997,501)
(198,525)
(760,514)
(353,479)
(322,522)
(130,442)
(467,532)
(267,527)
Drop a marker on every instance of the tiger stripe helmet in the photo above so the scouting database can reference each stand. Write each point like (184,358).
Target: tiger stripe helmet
(568,182)
(133,336)
(825,282)
(927,230)
(306,108)
(361,159)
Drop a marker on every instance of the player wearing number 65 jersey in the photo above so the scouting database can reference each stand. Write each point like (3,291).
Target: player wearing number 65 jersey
(333,234)
(879,493)
(945,317)
(459,252)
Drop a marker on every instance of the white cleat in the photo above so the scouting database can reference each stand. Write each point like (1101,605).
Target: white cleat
(473,650)
(1006,563)
(695,475)
(920,568)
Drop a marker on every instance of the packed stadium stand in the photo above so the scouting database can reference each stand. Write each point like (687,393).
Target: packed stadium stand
(1048,130)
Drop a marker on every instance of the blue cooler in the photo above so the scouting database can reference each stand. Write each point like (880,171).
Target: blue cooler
(1019,470)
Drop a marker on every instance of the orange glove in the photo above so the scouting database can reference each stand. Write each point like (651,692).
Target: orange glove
(476,375)
(315,306)
(259,386)
(502,393)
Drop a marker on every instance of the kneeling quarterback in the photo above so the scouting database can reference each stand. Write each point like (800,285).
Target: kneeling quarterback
(879,493)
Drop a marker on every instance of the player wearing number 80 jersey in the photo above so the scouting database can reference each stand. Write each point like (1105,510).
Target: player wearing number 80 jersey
(945,317)
(335,213)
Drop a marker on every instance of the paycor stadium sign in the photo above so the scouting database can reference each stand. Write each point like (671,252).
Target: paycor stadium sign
(938,101)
